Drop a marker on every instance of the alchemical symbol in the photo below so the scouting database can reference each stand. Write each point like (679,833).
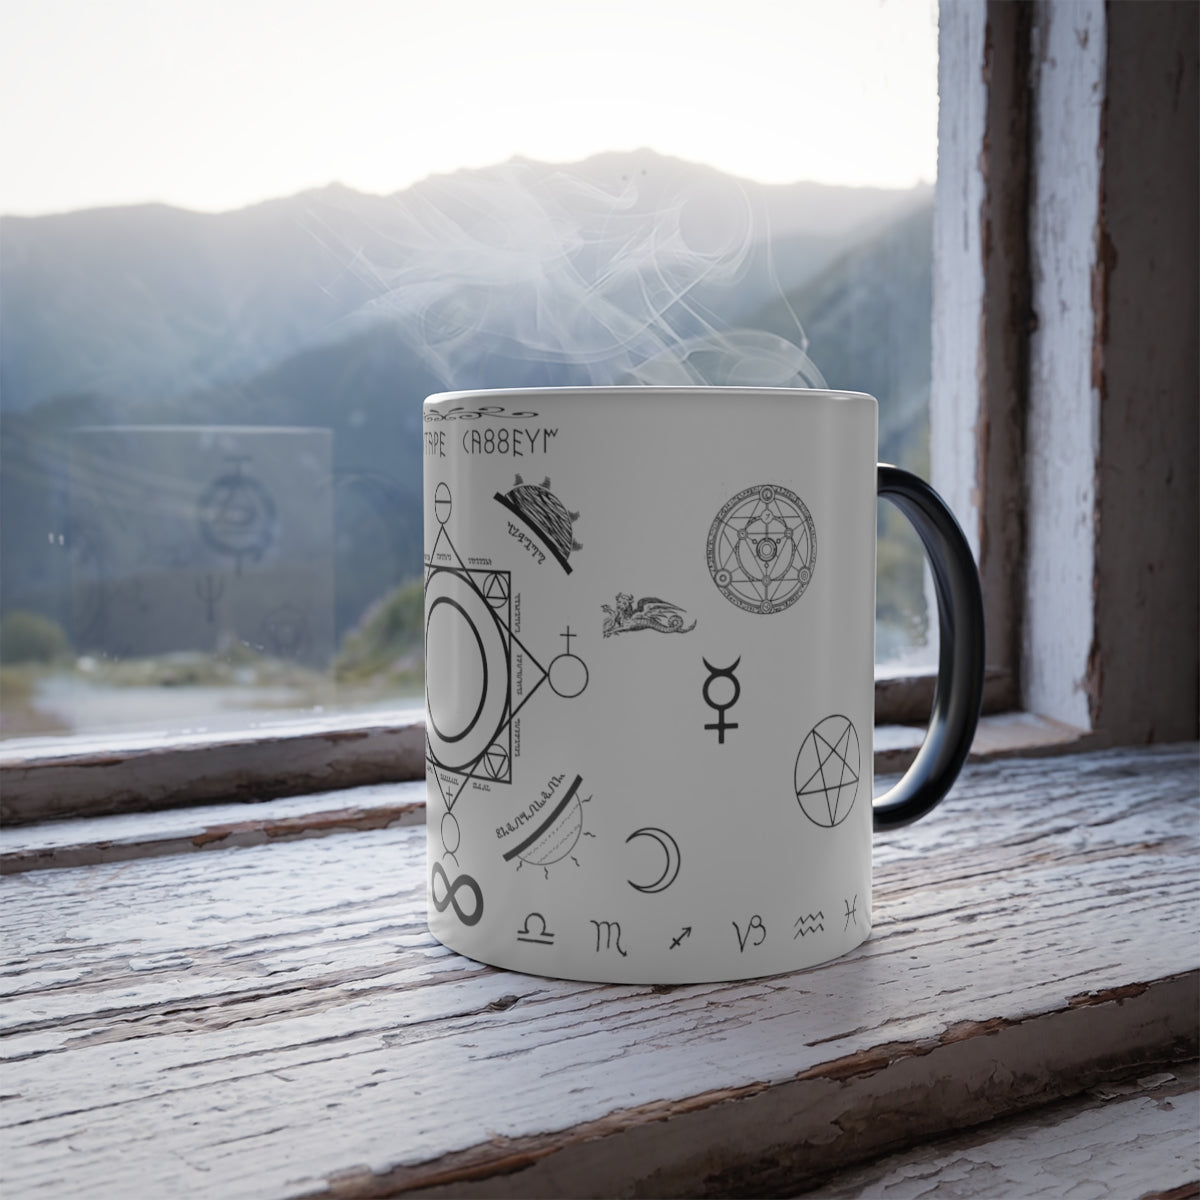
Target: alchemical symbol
(721,708)
(236,515)
(449,896)
(827,771)
(762,547)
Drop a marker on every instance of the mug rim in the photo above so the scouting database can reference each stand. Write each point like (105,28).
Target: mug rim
(652,391)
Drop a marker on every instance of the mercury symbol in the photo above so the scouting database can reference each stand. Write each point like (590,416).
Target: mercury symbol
(715,673)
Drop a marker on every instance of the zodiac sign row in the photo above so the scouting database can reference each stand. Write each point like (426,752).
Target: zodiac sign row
(750,932)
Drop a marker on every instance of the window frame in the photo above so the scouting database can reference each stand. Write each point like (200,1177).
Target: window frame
(992,435)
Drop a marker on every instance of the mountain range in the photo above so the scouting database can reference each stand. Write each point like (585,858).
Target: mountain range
(342,310)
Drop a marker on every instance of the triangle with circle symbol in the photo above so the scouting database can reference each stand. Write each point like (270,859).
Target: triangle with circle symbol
(495,589)
(497,762)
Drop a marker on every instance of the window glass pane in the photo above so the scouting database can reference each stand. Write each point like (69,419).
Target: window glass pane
(241,244)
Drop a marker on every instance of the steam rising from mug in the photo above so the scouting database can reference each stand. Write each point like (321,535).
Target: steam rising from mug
(527,274)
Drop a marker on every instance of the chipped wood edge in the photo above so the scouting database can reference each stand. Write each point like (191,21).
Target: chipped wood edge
(272,764)
(1129,1116)
(228,835)
(774,1139)
(1005,736)
(139,778)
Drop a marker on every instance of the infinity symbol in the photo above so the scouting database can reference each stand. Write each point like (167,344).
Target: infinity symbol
(450,890)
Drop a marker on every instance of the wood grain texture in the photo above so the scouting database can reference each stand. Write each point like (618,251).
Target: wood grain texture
(44,780)
(276,1021)
(1134,1139)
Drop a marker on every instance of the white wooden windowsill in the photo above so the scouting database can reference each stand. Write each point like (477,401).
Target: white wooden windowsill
(245,1001)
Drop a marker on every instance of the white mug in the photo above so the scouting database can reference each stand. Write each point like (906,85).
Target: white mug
(650,617)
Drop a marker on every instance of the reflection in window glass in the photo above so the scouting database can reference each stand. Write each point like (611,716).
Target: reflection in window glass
(211,452)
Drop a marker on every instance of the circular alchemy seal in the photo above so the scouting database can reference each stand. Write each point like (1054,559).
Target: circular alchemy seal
(762,547)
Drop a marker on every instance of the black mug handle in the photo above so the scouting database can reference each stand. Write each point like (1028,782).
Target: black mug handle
(959,692)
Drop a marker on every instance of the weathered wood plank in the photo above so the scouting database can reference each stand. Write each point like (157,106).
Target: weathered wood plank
(43,780)
(1132,1140)
(87,841)
(276,1020)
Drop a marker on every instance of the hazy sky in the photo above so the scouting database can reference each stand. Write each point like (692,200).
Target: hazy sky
(212,104)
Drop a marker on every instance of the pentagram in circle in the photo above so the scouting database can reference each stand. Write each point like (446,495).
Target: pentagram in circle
(827,771)
(762,548)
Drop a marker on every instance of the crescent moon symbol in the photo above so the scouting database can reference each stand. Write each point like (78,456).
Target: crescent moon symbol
(670,848)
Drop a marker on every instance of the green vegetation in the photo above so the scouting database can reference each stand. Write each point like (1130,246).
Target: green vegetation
(388,642)
(28,637)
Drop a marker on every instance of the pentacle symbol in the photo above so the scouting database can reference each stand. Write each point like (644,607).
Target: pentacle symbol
(851,912)
(714,673)
(826,774)
(236,515)
(611,942)
(648,613)
(753,926)
(808,923)
(762,547)
(670,847)
(479,673)
(535,930)
(449,897)
(557,836)
(543,512)
(443,504)
(568,673)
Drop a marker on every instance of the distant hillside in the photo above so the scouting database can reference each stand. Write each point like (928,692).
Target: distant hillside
(342,311)
(146,302)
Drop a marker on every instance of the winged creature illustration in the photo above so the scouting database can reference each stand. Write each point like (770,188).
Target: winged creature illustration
(648,613)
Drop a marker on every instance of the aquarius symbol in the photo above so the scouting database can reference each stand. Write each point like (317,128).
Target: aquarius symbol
(450,895)
(720,725)
(755,925)
(851,912)
(808,923)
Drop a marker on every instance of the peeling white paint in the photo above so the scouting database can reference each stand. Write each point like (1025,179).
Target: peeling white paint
(957,263)
(1063,431)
